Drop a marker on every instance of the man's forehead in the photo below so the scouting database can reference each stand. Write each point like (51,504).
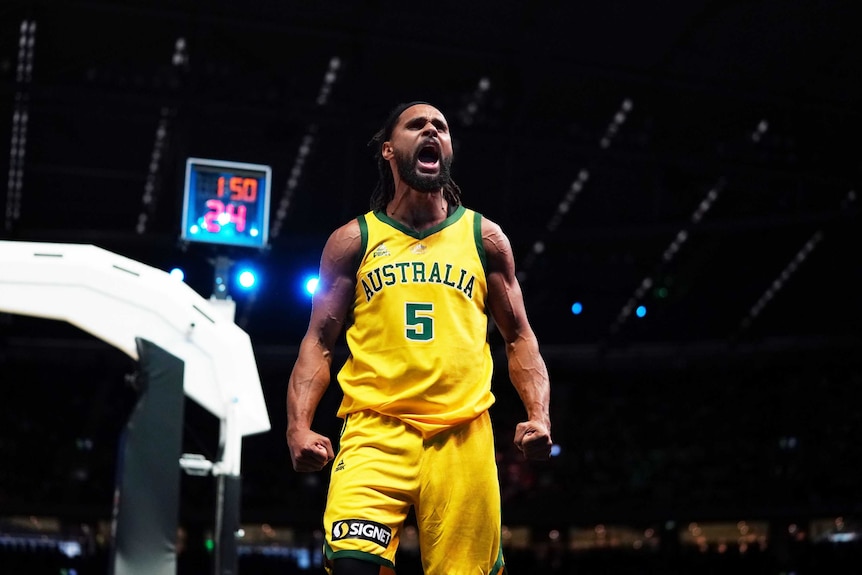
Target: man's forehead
(420,111)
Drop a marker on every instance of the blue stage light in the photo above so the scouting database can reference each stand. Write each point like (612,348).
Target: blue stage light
(311,285)
(246,278)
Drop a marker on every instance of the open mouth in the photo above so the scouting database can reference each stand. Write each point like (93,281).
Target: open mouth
(428,158)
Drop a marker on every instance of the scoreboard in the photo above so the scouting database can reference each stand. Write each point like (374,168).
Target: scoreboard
(226,203)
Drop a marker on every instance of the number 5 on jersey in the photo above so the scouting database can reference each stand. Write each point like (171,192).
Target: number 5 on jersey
(419,321)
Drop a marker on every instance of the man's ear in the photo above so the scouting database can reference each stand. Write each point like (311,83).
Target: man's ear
(387,151)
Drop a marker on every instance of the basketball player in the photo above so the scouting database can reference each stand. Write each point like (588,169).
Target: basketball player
(413,282)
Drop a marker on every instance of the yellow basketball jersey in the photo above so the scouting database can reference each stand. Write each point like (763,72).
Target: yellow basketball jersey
(418,334)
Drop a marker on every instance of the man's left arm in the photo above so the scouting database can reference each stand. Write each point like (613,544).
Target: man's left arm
(527,369)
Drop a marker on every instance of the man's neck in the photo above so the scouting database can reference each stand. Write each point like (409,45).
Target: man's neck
(418,210)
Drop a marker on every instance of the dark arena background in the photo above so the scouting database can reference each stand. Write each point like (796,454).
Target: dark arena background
(680,184)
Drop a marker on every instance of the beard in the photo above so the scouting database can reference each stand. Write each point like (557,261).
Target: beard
(422,182)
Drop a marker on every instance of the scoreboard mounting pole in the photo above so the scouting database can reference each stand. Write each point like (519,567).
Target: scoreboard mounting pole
(226,203)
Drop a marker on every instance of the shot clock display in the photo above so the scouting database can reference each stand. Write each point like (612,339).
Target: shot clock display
(226,203)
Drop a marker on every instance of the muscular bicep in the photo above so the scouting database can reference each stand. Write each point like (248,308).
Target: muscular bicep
(505,299)
(335,288)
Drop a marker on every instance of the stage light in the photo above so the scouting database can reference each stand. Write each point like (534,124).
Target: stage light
(577,308)
(555,450)
(641,311)
(311,285)
(177,273)
(245,278)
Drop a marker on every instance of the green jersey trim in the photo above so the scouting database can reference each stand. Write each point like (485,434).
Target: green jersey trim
(480,245)
(363,234)
(453,217)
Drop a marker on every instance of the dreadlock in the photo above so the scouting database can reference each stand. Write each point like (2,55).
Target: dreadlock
(384,190)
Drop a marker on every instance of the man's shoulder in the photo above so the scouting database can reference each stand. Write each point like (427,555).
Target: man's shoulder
(346,237)
(349,226)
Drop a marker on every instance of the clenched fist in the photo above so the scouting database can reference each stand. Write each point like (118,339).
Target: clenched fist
(309,451)
(533,439)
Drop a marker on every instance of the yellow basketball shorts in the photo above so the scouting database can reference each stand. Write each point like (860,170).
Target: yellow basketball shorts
(384,466)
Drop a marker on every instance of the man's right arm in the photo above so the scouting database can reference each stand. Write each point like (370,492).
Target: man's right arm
(310,451)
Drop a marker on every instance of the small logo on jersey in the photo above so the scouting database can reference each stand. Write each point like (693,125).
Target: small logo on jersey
(362,529)
(380,251)
(340,466)
(419,248)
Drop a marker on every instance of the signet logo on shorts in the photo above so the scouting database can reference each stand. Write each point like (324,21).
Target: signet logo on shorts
(361,529)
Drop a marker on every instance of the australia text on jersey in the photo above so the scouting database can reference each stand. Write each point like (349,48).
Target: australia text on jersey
(417,272)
